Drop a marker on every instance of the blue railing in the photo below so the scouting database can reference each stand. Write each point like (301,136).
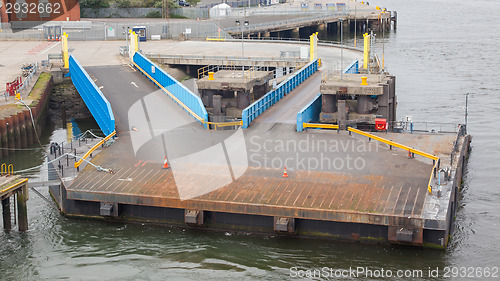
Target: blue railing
(94,99)
(259,106)
(352,68)
(178,92)
(310,113)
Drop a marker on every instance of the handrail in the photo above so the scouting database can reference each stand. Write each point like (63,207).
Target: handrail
(196,116)
(391,143)
(13,186)
(429,187)
(320,125)
(79,162)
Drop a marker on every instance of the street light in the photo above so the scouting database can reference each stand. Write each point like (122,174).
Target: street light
(341,47)
(355,25)
(242,45)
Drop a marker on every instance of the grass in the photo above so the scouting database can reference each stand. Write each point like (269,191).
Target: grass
(40,86)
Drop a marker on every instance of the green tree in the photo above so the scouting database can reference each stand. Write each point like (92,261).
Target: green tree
(123,3)
(95,4)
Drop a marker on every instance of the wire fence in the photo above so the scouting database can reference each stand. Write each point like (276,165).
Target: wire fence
(118,30)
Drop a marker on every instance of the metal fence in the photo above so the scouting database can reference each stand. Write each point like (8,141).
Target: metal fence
(187,12)
(117,30)
(94,99)
(259,106)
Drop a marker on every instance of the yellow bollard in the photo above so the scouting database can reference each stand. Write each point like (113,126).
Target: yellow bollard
(319,62)
(363,81)
(366,50)
(64,47)
(313,46)
(211,76)
(378,8)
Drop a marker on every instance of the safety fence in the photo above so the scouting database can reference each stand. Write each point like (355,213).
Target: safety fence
(20,83)
(259,106)
(309,113)
(177,91)
(94,99)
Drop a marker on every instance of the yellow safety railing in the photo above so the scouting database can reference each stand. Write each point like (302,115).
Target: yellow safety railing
(395,144)
(434,168)
(224,124)
(7,170)
(201,120)
(79,162)
(215,38)
(13,186)
(404,147)
(320,126)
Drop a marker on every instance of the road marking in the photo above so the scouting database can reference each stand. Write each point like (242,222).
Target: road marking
(127,179)
(50,48)
(101,87)
(133,83)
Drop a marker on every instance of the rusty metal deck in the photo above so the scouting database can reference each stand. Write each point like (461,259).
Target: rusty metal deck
(362,197)
(389,185)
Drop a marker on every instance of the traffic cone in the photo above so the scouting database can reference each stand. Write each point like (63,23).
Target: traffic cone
(165,164)
(409,154)
(285,174)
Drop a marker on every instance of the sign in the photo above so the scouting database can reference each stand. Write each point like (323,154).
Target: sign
(188,30)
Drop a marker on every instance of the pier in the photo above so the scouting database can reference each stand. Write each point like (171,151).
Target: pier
(168,164)
(14,194)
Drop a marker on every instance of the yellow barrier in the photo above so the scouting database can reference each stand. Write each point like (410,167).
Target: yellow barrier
(225,124)
(429,187)
(216,39)
(79,162)
(13,186)
(395,144)
(404,147)
(320,126)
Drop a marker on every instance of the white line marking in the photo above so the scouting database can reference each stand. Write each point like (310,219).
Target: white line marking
(50,47)
(101,87)
(133,83)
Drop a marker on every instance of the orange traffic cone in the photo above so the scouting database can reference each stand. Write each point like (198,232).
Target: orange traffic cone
(165,164)
(285,174)
(409,154)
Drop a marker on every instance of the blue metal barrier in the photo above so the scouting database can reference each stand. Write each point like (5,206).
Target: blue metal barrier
(310,113)
(259,106)
(178,92)
(352,68)
(94,99)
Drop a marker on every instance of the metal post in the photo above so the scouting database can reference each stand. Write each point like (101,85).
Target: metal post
(7,223)
(341,48)
(466,108)
(383,46)
(355,25)
(22,210)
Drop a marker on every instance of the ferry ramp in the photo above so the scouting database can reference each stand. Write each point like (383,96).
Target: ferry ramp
(334,178)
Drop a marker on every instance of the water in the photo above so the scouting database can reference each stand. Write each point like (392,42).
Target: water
(440,51)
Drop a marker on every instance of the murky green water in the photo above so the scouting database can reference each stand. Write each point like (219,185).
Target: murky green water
(440,51)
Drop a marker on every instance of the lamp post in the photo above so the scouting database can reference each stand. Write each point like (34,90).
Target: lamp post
(355,25)
(245,23)
(341,48)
